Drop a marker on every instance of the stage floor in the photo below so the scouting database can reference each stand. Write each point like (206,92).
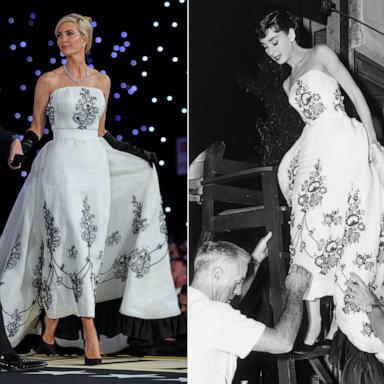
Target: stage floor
(67,369)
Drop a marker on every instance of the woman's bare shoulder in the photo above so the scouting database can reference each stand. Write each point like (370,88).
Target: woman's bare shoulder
(100,80)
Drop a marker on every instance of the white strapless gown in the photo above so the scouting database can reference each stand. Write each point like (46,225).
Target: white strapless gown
(337,220)
(88,226)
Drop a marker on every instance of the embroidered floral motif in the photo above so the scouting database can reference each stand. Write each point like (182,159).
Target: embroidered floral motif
(50,111)
(14,256)
(312,189)
(331,252)
(37,273)
(53,233)
(72,252)
(138,224)
(339,100)
(367,330)
(139,262)
(353,219)
(332,218)
(46,295)
(113,239)
(362,261)
(292,173)
(87,224)
(13,326)
(86,109)
(120,267)
(163,224)
(308,102)
(77,285)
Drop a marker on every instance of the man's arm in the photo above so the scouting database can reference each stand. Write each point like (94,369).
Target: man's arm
(280,339)
(258,255)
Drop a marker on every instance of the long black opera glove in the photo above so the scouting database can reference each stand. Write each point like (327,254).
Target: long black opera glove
(29,141)
(123,146)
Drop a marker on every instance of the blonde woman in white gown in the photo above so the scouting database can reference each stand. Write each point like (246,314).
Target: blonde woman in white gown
(88,224)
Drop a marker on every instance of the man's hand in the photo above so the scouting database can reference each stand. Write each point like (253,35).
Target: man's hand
(298,279)
(15,149)
(261,250)
(359,293)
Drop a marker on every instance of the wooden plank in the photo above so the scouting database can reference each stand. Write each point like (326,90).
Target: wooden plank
(238,221)
(236,195)
(236,176)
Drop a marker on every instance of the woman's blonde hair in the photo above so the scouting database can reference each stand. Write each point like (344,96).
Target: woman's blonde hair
(84,24)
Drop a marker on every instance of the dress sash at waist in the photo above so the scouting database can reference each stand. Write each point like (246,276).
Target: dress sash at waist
(77,134)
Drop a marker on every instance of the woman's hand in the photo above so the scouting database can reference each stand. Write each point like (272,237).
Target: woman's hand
(15,149)
(359,293)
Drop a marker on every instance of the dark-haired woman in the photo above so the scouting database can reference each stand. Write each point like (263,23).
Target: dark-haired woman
(330,180)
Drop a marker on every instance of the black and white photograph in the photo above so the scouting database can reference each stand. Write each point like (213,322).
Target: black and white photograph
(286,267)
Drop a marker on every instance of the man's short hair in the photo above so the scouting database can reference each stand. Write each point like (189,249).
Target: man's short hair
(211,252)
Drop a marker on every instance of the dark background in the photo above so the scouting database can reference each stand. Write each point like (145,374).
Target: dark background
(164,78)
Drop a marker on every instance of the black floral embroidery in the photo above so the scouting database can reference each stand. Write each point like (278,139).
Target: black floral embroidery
(37,273)
(14,256)
(50,111)
(350,307)
(353,219)
(86,109)
(338,102)
(292,173)
(87,224)
(312,189)
(120,267)
(139,261)
(13,326)
(113,239)
(163,224)
(53,233)
(72,252)
(77,285)
(138,224)
(308,102)
(331,252)
(362,261)
(367,330)
(332,218)
(46,295)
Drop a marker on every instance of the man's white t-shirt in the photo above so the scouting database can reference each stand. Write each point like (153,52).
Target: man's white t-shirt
(217,335)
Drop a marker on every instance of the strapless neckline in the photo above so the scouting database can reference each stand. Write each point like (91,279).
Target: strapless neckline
(75,86)
(309,71)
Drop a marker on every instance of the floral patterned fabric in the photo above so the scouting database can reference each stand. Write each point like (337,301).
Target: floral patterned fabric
(337,219)
(86,227)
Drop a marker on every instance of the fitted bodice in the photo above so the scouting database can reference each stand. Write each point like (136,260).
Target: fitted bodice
(315,95)
(75,110)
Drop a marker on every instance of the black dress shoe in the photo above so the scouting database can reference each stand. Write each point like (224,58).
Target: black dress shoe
(12,362)
(88,361)
(45,348)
